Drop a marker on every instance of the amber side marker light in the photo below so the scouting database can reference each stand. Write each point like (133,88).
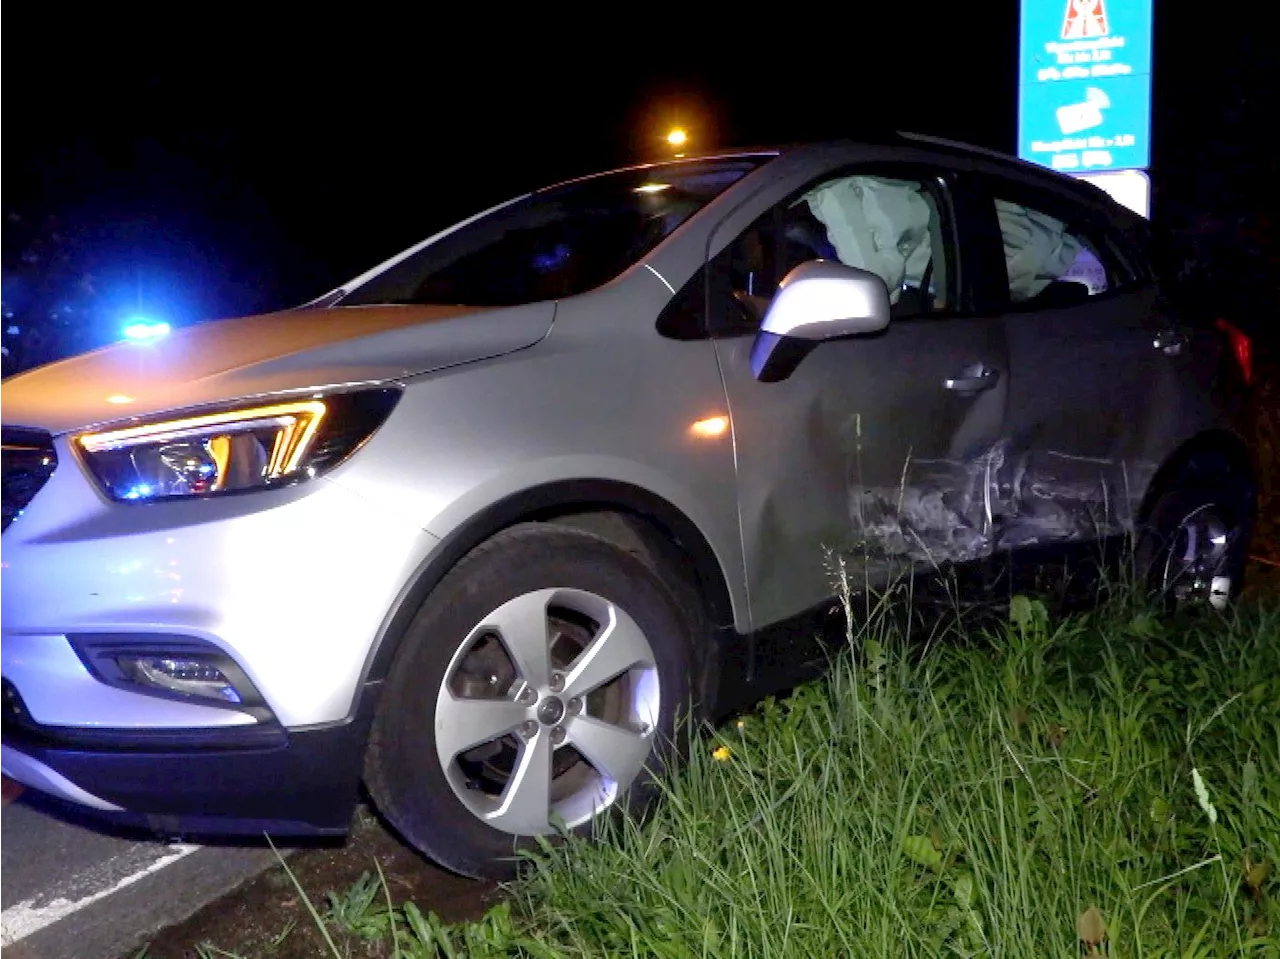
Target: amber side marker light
(710,427)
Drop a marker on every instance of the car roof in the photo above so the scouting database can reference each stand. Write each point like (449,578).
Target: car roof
(1003,163)
(764,153)
(1008,165)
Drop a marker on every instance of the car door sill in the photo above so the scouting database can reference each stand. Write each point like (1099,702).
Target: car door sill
(801,648)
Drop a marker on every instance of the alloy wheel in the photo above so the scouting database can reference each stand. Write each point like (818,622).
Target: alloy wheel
(547,711)
(1197,564)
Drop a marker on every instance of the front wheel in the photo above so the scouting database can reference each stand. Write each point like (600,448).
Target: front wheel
(537,689)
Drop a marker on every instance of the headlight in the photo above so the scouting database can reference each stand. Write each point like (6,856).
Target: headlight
(232,450)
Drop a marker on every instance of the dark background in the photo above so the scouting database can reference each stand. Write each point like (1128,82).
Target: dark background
(213,161)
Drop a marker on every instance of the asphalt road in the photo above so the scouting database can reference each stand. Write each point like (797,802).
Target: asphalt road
(71,891)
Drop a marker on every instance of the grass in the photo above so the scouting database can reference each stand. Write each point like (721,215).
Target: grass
(1105,784)
(979,798)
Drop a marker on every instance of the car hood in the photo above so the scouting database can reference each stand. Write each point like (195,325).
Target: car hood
(297,350)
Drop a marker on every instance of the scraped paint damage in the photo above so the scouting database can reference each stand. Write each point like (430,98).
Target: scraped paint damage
(956,511)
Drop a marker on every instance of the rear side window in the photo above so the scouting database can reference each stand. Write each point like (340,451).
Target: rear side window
(1057,252)
(1049,262)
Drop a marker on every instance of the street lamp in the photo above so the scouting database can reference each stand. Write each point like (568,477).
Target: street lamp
(677,137)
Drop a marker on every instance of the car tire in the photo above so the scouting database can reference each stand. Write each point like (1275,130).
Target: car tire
(468,667)
(1192,547)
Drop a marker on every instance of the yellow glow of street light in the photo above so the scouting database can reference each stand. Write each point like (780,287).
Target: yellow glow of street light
(677,137)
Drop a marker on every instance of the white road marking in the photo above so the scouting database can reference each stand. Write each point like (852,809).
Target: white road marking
(21,920)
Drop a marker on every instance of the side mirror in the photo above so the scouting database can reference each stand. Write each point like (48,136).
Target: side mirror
(817,301)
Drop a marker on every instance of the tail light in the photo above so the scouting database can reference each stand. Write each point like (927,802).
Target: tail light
(1241,348)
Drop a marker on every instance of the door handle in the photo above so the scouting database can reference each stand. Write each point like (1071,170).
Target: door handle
(972,379)
(1170,342)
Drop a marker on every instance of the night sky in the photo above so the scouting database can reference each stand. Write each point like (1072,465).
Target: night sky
(240,164)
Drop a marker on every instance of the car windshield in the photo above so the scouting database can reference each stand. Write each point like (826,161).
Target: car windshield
(557,242)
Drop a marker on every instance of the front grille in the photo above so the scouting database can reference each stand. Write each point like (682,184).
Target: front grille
(27,460)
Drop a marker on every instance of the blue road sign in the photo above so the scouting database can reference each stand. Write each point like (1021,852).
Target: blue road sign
(1084,85)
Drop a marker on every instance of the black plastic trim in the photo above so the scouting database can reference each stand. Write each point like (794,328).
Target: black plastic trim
(775,658)
(21,729)
(27,460)
(301,782)
(801,648)
(29,734)
(774,357)
(1214,457)
(684,317)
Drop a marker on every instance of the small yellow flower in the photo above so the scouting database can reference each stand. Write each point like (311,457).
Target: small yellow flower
(742,724)
(720,753)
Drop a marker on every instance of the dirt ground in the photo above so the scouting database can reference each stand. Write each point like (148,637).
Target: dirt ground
(267,918)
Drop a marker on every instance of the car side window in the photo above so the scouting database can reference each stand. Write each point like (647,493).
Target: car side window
(1050,262)
(897,228)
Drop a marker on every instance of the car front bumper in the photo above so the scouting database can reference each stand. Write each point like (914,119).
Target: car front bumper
(291,586)
(245,781)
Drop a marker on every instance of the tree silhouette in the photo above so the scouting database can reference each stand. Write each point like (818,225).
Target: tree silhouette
(49,301)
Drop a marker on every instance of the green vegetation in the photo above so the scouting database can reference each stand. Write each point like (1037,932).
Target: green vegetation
(1107,784)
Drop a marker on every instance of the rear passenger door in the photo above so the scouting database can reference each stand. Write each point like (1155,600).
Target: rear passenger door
(1082,329)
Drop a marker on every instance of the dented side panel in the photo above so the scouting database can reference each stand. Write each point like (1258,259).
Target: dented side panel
(1091,414)
(862,450)
(1086,418)
(1001,498)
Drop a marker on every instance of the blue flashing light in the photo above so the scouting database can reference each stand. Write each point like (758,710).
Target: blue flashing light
(140,491)
(144,330)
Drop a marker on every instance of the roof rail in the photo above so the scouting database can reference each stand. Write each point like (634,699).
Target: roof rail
(1081,186)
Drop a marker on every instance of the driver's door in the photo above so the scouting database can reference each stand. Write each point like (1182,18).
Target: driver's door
(863,448)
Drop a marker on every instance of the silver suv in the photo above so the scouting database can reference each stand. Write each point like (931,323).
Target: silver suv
(475,528)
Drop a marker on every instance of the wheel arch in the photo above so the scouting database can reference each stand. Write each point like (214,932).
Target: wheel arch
(1215,455)
(630,516)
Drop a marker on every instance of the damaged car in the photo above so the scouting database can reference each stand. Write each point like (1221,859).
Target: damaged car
(476,530)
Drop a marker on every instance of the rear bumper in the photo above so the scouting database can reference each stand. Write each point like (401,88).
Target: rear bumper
(235,781)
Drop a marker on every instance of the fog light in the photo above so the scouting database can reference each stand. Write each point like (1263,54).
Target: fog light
(170,667)
(192,677)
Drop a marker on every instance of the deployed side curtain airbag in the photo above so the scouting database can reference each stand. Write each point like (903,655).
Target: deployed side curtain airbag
(876,224)
(1037,249)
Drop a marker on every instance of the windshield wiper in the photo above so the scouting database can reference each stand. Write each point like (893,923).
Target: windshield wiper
(323,302)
